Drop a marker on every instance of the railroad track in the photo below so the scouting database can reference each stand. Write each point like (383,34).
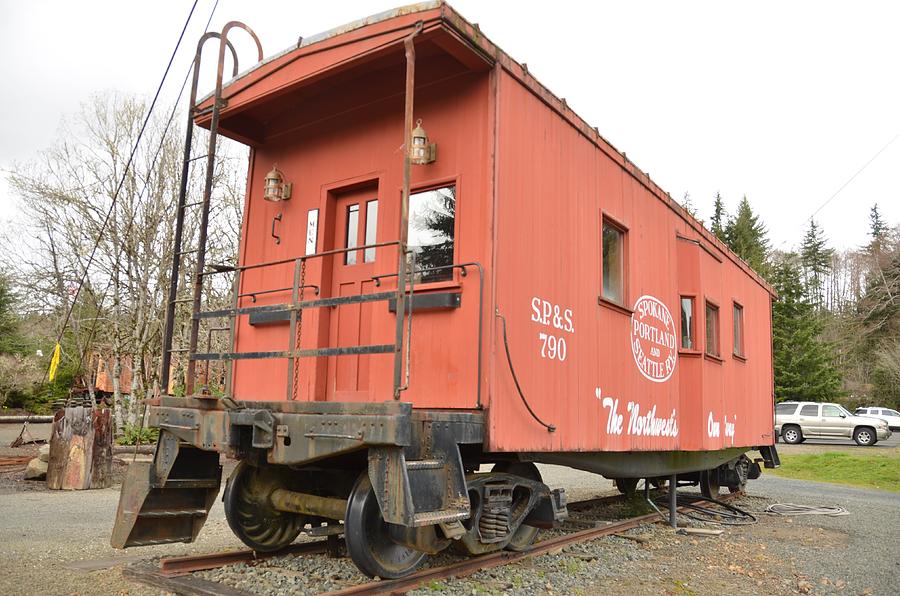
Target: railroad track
(173,572)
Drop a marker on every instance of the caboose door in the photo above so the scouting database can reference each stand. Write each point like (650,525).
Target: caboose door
(355,224)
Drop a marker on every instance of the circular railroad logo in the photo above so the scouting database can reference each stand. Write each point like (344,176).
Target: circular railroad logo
(653,339)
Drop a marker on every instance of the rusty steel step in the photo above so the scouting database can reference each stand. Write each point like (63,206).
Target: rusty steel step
(168,499)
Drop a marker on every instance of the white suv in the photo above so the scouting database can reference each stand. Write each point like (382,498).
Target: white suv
(797,421)
(892,417)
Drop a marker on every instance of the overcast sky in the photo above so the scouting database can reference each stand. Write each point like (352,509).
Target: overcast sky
(781,101)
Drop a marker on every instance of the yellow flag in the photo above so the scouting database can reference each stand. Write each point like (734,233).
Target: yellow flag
(54,363)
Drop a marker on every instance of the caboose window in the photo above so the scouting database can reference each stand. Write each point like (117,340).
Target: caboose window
(687,323)
(712,329)
(432,226)
(371,227)
(613,263)
(738,330)
(352,233)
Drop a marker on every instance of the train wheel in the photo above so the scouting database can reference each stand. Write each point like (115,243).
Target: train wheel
(525,535)
(368,537)
(250,513)
(709,483)
(627,486)
(742,471)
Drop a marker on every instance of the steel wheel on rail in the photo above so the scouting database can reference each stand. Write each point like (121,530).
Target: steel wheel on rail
(742,471)
(368,537)
(524,536)
(627,486)
(250,513)
(709,483)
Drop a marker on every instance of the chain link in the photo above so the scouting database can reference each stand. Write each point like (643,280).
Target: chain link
(299,334)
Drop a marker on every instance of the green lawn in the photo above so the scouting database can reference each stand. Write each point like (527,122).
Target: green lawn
(869,469)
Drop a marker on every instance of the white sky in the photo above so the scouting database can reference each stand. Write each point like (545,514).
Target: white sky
(780,101)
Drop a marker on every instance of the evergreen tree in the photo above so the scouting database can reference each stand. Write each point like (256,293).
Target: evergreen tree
(815,257)
(688,205)
(437,225)
(11,340)
(746,236)
(719,219)
(803,363)
(877,230)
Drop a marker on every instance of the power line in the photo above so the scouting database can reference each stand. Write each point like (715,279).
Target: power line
(853,177)
(122,180)
(847,183)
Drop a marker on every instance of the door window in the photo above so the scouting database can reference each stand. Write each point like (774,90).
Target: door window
(432,227)
(831,411)
(352,233)
(371,229)
(809,410)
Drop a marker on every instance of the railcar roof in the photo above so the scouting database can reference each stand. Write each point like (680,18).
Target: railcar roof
(481,45)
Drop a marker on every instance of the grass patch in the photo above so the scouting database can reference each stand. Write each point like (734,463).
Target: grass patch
(874,469)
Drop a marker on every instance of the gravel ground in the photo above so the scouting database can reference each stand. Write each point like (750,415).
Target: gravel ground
(43,532)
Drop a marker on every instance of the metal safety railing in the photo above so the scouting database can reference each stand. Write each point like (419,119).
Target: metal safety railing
(295,309)
(298,303)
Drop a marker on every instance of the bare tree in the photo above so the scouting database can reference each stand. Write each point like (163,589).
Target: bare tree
(65,195)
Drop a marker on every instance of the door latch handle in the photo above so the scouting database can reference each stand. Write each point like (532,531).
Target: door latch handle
(274,235)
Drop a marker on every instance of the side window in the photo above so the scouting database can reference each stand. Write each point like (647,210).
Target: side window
(712,329)
(687,323)
(785,408)
(809,410)
(891,413)
(613,252)
(831,411)
(432,227)
(738,330)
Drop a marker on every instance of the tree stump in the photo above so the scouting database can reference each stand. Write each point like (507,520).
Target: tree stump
(80,449)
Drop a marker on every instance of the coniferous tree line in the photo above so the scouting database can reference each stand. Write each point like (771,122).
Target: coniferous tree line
(836,322)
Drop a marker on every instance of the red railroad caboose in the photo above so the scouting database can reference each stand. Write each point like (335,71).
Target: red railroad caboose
(504,288)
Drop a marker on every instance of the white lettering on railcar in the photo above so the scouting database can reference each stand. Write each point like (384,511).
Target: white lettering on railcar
(642,425)
(653,339)
(552,315)
(714,427)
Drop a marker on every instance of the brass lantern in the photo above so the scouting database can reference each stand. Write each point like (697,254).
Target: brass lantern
(421,152)
(276,189)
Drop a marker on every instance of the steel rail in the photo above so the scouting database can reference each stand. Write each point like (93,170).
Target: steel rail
(172,568)
(471,565)
(175,566)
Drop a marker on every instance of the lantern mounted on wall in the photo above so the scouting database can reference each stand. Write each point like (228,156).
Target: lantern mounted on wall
(421,152)
(276,189)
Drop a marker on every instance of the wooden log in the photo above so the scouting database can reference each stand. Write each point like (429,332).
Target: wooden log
(80,449)
(102,456)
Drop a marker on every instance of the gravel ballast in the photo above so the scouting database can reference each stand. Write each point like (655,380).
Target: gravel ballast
(41,532)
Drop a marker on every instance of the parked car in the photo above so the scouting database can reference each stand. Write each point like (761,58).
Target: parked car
(892,417)
(797,421)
